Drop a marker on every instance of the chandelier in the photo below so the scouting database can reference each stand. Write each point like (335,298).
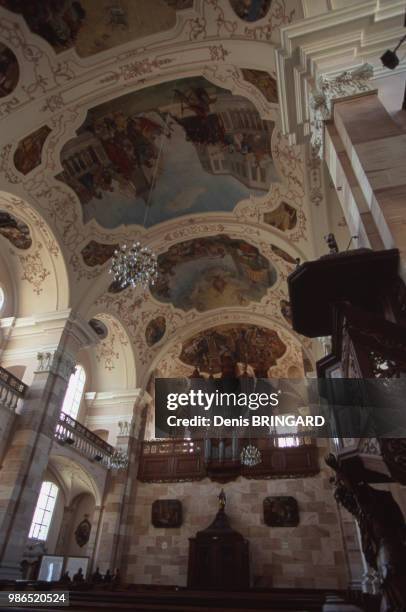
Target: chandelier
(135,266)
(250,456)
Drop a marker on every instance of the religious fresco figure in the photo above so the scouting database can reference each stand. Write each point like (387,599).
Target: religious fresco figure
(251,10)
(211,272)
(129,153)
(9,71)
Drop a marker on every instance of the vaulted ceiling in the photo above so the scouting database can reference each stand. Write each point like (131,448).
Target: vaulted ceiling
(156,121)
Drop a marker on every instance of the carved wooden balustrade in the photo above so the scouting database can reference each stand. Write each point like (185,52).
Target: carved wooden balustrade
(70,432)
(11,389)
(185,460)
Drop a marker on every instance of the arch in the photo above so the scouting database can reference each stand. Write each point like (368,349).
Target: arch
(74,392)
(37,267)
(75,475)
(237,317)
(112,361)
(102,433)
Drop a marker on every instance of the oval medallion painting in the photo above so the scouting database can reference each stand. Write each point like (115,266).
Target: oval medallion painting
(8,71)
(251,10)
(155,330)
(212,272)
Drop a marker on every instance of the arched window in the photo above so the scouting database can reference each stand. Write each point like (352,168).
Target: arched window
(43,511)
(2,298)
(74,392)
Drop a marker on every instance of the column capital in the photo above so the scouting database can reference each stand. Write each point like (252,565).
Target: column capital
(56,362)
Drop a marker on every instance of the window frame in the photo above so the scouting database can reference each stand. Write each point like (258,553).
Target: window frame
(74,396)
(3,298)
(44,511)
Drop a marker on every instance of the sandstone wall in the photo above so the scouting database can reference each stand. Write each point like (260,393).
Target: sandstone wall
(309,555)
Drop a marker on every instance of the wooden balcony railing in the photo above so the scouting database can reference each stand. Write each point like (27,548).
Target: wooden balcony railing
(11,389)
(70,432)
(184,460)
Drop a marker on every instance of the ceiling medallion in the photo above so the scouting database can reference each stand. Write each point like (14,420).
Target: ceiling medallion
(250,456)
(134,266)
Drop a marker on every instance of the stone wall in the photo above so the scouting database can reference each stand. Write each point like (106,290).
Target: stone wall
(309,555)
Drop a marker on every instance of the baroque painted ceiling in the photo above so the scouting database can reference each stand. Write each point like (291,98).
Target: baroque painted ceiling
(156,121)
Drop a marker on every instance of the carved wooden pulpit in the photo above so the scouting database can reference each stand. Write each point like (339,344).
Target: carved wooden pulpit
(219,556)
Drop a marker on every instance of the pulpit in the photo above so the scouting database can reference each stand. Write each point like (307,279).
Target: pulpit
(219,556)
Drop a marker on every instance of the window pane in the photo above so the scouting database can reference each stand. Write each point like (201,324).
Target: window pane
(44,511)
(74,392)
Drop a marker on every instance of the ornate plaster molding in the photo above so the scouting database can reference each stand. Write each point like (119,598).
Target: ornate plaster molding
(328,90)
(330,43)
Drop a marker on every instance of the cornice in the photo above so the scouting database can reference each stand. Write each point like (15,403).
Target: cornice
(327,45)
(107,398)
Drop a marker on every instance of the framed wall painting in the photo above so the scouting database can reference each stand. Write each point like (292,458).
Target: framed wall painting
(281,511)
(166,513)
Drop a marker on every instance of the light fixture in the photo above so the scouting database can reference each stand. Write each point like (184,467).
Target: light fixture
(250,456)
(137,265)
(134,266)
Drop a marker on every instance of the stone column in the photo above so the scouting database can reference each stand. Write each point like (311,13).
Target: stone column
(94,536)
(64,531)
(28,453)
(119,503)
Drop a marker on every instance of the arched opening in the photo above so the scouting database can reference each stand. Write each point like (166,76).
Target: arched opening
(44,511)
(102,433)
(74,392)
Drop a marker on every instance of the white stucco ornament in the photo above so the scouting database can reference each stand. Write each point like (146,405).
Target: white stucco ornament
(328,89)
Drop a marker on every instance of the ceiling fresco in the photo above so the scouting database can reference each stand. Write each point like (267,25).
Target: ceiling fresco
(180,151)
(181,147)
(155,330)
(283,254)
(286,311)
(92,26)
(212,272)
(27,155)
(17,232)
(96,253)
(9,70)
(262,81)
(251,10)
(283,218)
(99,327)
(211,349)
